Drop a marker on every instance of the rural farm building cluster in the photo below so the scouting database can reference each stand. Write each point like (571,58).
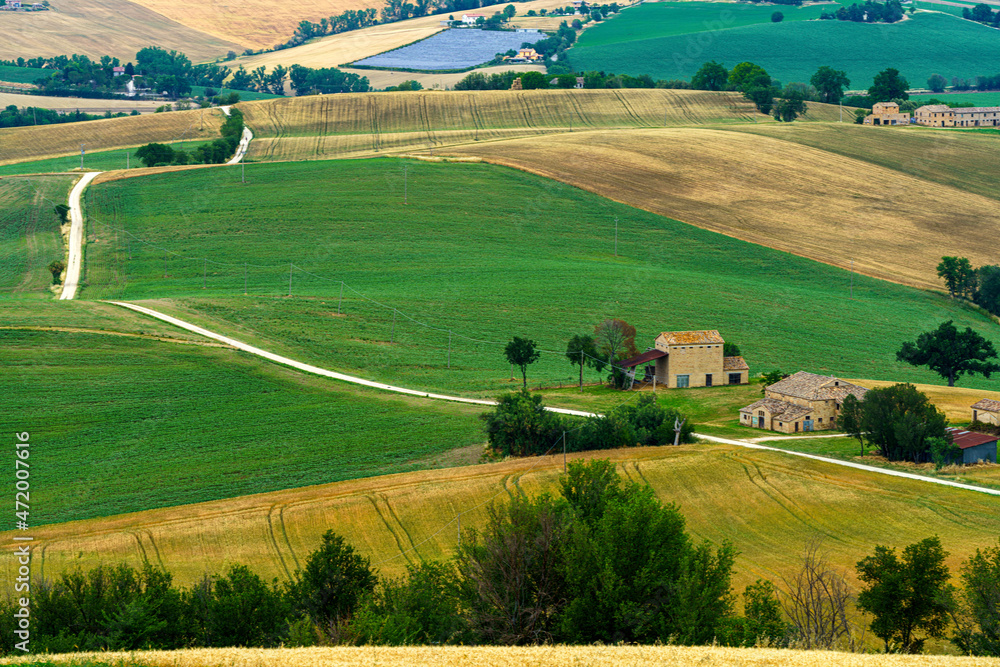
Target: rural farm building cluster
(934,115)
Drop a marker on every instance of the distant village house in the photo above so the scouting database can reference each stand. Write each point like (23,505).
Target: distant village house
(524,56)
(940,115)
(470,19)
(986,411)
(682,359)
(801,402)
(976,447)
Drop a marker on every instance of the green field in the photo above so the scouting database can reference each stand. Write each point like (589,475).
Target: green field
(918,47)
(29,233)
(947,9)
(245,95)
(531,257)
(100,161)
(986,99)
(667,19)
(22,74)
(109,414)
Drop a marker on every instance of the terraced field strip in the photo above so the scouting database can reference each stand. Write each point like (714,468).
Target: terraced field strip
(21,144)
(787,196)
(783,502)
(30,235)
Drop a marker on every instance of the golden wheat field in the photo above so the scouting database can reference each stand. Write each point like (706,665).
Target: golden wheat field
(334,50)
(813,203)
(21,144)
(118,28)
(516,656)
(767,503)
(955,402)
(75,103)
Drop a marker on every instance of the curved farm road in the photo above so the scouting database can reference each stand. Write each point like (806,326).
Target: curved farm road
(244,144)
(316,370)
(75,262)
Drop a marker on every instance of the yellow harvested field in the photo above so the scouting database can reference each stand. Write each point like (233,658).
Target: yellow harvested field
(955,402)
(335,50)
(513,656)
(76,103)
(381,79)
(334,126)
(768,504)
(795,198)
(33,143)
(118,28)
(255,24)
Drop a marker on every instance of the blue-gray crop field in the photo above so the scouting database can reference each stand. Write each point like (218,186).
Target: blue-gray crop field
(453,49)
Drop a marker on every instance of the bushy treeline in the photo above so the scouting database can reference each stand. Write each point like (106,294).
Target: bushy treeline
(521,426)
(869,12)
(216,152)
(979,285)
(12,116)
(604,560)
(901,422)
(982,13)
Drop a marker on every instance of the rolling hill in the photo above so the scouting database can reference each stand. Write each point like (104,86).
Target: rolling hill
(924,44)
(118,28)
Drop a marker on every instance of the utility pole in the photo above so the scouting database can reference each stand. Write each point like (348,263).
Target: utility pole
(81,155)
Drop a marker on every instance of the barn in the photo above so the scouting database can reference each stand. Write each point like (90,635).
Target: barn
(976,447)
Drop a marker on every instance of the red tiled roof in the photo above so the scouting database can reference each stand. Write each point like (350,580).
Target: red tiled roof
(966,439)
(643,358)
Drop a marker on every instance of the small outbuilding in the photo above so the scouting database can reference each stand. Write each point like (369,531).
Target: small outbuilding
(976,447)
(887,113)
(683,359)
(986,411)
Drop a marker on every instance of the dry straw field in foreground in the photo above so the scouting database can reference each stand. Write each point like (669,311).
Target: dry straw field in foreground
(518,656)
(767,503)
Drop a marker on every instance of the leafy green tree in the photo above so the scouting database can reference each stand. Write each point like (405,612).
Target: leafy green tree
(906,594)
(976,611)
(534,80)
(731,350)
(830,83)
(951,353)
(615,340)
(566,81)
(521,352)
(988,288)
(241,80)
(761,621)
(520,425)
(588,486)
(512,571)
(771,377)
(777,17)
(581,351)
(155,154)
(744,74)
(245,611)
(62,211)
(888,85)
(849,419)
(937,83)
(789,107)
(958,275)
(710,76)
(56,267)
(943,452)
(510,11)
(424,607)
(331,586)
(900,420)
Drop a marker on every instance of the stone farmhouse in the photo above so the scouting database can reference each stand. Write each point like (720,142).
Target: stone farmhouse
(524,56)
(800,402)
(887,113)
(986,411)
(976,447)
(681,359)
(940,115)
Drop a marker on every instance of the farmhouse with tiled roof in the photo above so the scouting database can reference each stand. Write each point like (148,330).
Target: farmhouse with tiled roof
(800,402)
(690,359)
(986,411)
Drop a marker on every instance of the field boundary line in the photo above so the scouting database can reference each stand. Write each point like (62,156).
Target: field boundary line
(850,464)
(316,370)
(75,261)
